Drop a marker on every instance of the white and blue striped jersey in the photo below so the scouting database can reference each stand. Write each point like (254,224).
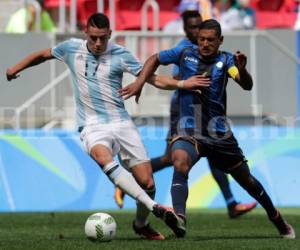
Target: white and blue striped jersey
(96,81)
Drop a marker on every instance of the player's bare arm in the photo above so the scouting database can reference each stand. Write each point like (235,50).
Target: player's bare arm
(29,61)
(167,83)
(135,88)
(244,79)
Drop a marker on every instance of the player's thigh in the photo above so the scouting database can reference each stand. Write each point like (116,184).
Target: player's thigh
(226,161)
(132,150)
(101,154)
(99,142)
(184,155)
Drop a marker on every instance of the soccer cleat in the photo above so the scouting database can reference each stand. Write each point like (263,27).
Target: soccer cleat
(173,221)
(119,197)
(286,231)
(290,232)
(240,209)
(148,232)
(181,225)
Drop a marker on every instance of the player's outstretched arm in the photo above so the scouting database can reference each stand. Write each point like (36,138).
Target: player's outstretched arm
(244,79)
(135,88)
(168,83)
(29,61)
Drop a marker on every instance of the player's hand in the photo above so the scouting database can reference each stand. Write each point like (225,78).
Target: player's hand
(11,74)
(133,89)
(196,82)
(240,60)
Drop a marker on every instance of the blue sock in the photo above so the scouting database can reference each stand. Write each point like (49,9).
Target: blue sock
(222,180)
(179,192)
(158,164)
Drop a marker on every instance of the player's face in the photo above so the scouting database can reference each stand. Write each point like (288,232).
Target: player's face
(97,39)
(192,28)
(209,42)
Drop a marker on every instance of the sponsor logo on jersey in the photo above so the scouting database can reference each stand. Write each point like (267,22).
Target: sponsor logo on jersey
(219,65)
(191,59)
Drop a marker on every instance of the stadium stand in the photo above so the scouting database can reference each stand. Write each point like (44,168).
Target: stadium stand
(274,14)
(269,14)
(129,15)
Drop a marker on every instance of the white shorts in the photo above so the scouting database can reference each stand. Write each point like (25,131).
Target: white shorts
(121,138)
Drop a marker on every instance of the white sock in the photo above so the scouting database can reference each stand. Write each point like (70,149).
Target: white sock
(142,212)
(123,179)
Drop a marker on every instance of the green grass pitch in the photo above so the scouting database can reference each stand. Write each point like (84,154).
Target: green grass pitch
(207,229)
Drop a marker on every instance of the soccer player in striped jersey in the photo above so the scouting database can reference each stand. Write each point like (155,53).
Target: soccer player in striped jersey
(191,21)
(202,129)
(105,127)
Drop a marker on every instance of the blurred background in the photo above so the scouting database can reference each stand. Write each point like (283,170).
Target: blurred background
(42,164)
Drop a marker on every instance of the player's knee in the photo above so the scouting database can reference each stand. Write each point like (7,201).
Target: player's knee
(101,159)
(101,154)
(146,182)
(181,165)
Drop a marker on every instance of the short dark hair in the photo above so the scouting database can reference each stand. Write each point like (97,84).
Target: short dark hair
(189,14)
(98,20)
(211,24)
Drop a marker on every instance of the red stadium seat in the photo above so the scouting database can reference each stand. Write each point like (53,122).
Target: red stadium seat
(85,8)
(55,3)
(271,19)
(267,5)
(128,15)
(274,14)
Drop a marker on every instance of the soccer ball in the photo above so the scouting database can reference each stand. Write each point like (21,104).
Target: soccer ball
(100,227)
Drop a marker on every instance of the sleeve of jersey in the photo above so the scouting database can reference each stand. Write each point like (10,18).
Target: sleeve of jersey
(232,69)
(60,50)
(131,64)
(170,56)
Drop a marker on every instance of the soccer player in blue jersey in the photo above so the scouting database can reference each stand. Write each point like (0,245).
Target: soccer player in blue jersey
(191,22)
(202,129)
(105,127)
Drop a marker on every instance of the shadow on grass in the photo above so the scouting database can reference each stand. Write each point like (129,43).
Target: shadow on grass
(240,237)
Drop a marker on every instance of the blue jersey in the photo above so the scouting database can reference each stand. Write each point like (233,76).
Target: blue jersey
(174,108)
(182,44)
(97,80)
(200,114)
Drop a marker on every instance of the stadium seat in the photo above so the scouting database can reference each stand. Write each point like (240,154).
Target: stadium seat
(267,5)
(85,8)
(129,15)
(55,3)
(274,14)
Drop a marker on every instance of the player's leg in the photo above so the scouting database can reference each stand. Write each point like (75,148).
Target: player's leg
(98,142)
(184,156)
(157,164)
(119,176)
(142,172)
(234,208)
(119,195)
(242,175)
(222,180)
(134,156)
(163,161)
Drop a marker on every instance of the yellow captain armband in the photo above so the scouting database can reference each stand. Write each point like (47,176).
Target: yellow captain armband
(233,72)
